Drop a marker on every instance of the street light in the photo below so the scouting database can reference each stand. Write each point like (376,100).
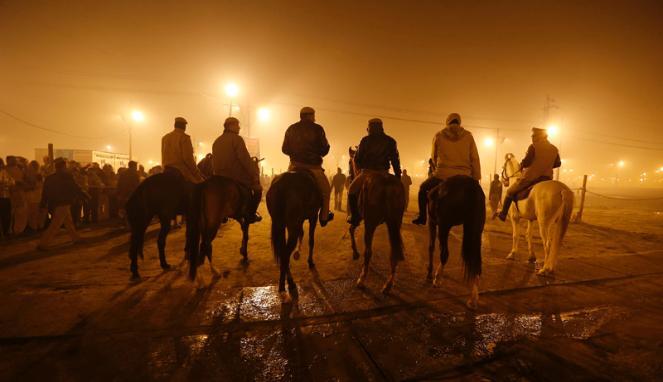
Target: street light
(109,147)
(488,142)
(232,91)
(552,130)
(263,114)
(621,164)
(136,116)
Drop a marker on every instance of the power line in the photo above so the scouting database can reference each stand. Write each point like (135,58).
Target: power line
(34,125)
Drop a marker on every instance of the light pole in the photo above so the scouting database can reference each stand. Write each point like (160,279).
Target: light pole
(136,116)
(552,131)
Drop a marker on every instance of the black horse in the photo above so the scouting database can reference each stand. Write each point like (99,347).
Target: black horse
(292,198)
(458,200)
(213,202)
(163,195)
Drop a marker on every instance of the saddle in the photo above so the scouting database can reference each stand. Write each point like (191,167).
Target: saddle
(524,193)
(244,195)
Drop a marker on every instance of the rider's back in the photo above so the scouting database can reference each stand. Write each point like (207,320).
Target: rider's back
(455,153)
(305,142)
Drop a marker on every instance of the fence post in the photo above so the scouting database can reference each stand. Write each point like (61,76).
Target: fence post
(578,218)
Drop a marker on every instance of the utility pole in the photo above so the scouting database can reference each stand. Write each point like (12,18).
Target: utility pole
(548,105)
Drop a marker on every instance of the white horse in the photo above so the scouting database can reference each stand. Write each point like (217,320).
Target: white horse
(550,203)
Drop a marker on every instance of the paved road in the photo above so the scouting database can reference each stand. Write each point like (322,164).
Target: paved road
(72,314)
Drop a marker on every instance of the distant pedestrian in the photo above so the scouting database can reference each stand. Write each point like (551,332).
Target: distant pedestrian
(6,184)
(60,191)
(407,182)
(127,182)
(495,193)
(338,183)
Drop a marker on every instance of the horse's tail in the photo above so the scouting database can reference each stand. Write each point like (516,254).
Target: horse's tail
(395,207)
(567,209)
(472,230)
(193,223)
(277,205)
(561,224)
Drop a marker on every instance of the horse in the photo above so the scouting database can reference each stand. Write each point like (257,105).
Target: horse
(381,200)
(164,195)
(214,201)
(549,202)
(458,200)
(293,197)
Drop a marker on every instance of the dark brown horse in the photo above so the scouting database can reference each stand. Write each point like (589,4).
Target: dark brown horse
(458,200)
(162,195)
(214,201)
(381,200)
(292,199)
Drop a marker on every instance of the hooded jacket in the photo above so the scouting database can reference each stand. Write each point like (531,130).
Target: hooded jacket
(455,153)
(231,159)
(305,142)
(377,151)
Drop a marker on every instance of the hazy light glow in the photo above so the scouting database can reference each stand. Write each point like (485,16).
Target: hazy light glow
(137,116)
(231,89)
(621,164)
(552,130)
(109,147)
(263,114)
(489,142)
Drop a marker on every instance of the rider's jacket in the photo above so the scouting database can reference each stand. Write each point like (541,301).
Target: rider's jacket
(455,153)
(377,151)
(305,142)
(541,158)
(177,152)
(231,159)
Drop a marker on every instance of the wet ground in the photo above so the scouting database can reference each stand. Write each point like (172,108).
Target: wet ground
(71,313)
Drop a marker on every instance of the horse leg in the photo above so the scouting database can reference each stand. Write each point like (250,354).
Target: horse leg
(544,231)
(369,230)
(161,242)
(245,242)
(394,228)
(515,224)
(473,301)
(206,245)
(443,233)
(355,253)
(432,236)
(300,239)
(136,247)
(530,247)
(311,241)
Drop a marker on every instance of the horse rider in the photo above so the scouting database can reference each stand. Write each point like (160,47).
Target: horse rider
(376,153)
(454,153)
(177,154)
(232,160)
(305,143)
(537,166)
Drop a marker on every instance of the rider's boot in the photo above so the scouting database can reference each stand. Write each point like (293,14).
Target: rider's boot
(422,197)
(253,215)
(353,210)
(505,208)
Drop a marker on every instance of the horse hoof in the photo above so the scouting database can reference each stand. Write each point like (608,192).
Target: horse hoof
(285,297)
(355,255)
(532,259)
(296,255)
(311,265)
(387,288)
(135,277)
(471,304)
(165,266)
(544,272)
(360,283)
(429,276)
(510,256)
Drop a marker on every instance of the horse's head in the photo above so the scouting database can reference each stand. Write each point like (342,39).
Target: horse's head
(511,167)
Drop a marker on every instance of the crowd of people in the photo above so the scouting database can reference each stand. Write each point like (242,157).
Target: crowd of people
(27,203)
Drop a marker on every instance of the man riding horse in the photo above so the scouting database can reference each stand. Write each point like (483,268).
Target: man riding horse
(232,160)
(177,155)
(376,152)
(454,153)
(305,143)
(537,166)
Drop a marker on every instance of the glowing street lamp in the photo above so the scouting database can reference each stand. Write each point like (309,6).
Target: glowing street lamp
(263,114)
(137,116)
(109,147)
(232,91)
(621,164)
(552,130)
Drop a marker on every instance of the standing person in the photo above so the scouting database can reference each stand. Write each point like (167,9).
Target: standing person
(306,144)
(19,201)
(454,153)
(60,191)
(34,184)
(377,152)
(127,182)
(231,159)
(110,190)
(6,184)
(407,182)
(338,183)
(177,154)
(95,186)
(537,166)
(495,193)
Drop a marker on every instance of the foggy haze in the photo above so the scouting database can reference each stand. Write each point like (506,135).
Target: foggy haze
(69,72)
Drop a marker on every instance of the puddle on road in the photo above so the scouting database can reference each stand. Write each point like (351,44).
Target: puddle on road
(264,304)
